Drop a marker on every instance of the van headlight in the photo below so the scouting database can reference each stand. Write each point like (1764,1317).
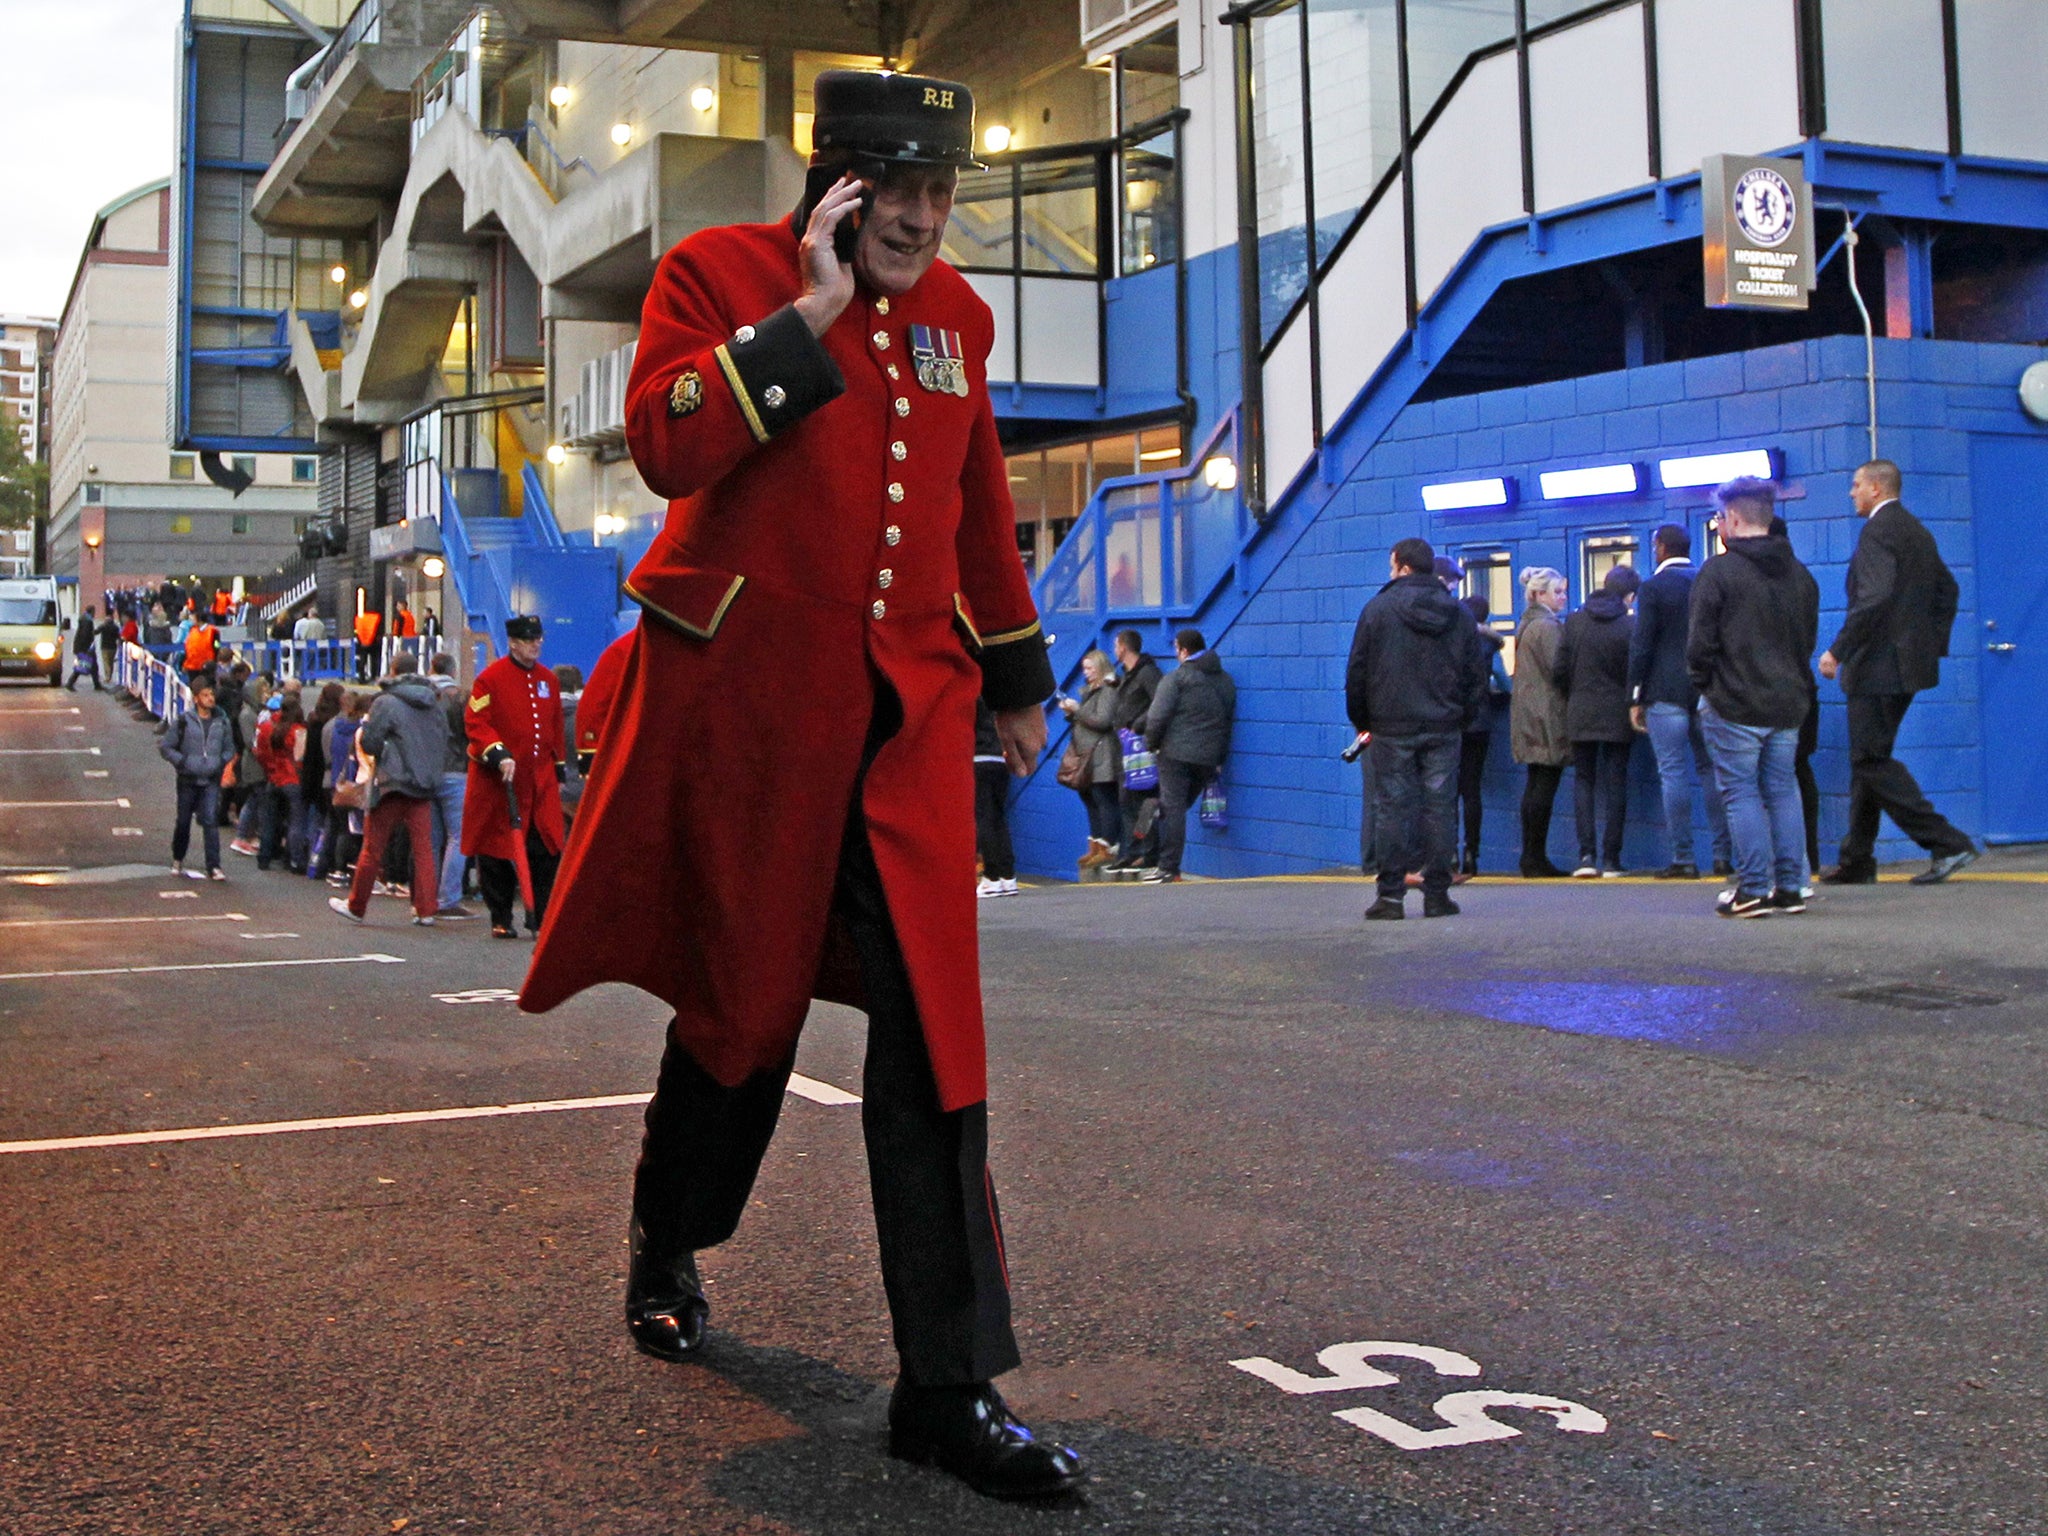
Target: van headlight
(45,651)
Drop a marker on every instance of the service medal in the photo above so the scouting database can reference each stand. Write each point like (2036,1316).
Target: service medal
(940,360)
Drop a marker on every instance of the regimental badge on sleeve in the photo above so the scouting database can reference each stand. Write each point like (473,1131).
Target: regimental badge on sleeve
(686,394)
(940,359)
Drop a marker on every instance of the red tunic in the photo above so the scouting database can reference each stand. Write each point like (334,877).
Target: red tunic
(840,522)
(517,710)
(600,693)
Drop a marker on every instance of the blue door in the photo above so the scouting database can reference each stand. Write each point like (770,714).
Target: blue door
(2009,487)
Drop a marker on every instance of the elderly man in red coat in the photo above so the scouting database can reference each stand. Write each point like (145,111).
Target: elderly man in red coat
(514,722)
(752,838)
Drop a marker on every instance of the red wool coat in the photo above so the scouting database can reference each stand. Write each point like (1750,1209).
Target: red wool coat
(600,693)
(840,523)
(516,710)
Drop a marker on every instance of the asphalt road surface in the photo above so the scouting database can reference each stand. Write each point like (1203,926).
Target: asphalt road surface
(1281,1191)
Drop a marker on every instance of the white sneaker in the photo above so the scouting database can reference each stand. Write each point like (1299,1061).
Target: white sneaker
(1610,874)
(177,866)
(1009,888)
(341,906)
(216,874)
(417,920)
(1586,872)
(987,888)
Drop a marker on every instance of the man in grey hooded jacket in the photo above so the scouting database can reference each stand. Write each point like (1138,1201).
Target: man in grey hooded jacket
(406,735)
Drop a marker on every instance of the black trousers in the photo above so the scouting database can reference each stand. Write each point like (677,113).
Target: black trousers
(1471,786)
(1600,775)
(1809,786)
(498,880)
(1879,784)
(992,821)
(1539,797)
(936,1220)
(1415,811)
(1143,852)
(1180,786)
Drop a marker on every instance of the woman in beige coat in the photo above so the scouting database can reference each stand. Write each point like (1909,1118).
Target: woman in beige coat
(1537,719)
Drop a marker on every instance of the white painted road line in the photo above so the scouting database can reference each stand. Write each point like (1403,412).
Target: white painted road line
(84,922)
(49,751)
(58,805)
(804,1087)
(213,965)
(32,710)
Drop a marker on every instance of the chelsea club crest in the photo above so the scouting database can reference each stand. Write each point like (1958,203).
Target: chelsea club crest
(1765,209)
(940,360)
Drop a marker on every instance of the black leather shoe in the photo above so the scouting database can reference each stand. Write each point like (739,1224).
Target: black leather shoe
(1544,871)
(1946,865)
(1439,906)
(1388,909)
(665,1305)
(1678,872)
(1723,870)
(970,1432)
(1849,874)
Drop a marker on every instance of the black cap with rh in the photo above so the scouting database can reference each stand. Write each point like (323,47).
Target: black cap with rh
(523,626)
(899,119)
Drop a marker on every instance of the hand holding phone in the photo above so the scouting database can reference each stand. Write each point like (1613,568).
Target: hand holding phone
(831,205)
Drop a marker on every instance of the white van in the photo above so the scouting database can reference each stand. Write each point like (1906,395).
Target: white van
(30,643)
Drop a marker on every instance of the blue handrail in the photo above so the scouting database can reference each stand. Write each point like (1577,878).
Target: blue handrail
(537,513)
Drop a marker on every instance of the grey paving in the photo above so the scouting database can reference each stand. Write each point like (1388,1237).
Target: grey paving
(1789,1244)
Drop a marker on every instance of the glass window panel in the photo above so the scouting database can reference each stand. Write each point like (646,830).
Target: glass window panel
(1059,217)
(1884,68)
(1600,554)
(1489,573)
(1151,227)
(2001,46)
(1355,96)
(1442,34)
(1277,157)
(980,233)
(181,466)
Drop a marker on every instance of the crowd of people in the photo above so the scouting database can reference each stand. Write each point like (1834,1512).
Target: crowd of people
(412,787)
(1713,664)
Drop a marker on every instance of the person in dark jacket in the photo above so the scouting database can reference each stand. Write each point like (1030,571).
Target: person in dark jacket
(1664,705)
(1592,674)
(85,654)
(199,745)
(1754,621)
(991,808)
(1902,602)
(1092,765)
(1188,726)
(406,735)
(1139,807)
(1473,745)
(1415,682)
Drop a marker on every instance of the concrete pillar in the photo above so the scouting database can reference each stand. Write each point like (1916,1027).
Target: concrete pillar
(778,94)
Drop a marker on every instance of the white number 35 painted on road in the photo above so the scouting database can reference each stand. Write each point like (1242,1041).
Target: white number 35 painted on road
(1466,1421)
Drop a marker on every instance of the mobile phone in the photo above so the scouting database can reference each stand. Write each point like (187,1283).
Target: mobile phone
(821,180)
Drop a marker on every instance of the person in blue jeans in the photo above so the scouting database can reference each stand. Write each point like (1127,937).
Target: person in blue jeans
(1755,622)
(1664,705)
(448,797)
(199,744)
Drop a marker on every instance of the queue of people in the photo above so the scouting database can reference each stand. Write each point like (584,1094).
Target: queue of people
(1714,665)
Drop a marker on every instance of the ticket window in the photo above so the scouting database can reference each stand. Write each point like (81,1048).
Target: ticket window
(1600,553)
(1490,573)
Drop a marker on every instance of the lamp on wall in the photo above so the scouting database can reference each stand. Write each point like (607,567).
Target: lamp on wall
(338,273)
(559,96)
(622,134)
(359,299)
(1220,473)
(92,541)
(433,567)
(557,454)
(995,138)
(703,98)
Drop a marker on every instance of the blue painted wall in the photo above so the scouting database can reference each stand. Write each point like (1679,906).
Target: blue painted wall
(1295,807)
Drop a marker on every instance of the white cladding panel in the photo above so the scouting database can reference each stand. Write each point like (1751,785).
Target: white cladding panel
(1884,72)
(2002,49)
(1364,306)
(1588,131)
(997,292)
(1290,422)
(1468,170)
(1061,323)
(1728,71)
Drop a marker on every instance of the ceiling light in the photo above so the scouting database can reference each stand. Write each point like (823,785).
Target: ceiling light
(1718,468)
(1461,495)
(703,98)
(622,134)
(995,138)
(338,273)
(558,96)
(1594,480)
(1220,473)
(359,299)
(1154,455)
(433,567)
(557,454)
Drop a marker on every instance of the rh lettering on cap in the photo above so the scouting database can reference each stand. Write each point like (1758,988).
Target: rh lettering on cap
(934,97)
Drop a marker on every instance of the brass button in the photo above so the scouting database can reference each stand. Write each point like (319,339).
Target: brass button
(895,372)
(902,406)
(773,396)
(879,609)
(895,490)
(881,341)
(882,305)
(899,451)
(885,578)
(892,535)
(744,334)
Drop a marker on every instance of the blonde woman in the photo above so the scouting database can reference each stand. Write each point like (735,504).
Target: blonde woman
(1537,718)
(1092,766)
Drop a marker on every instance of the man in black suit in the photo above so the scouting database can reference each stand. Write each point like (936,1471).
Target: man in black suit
(1902,601)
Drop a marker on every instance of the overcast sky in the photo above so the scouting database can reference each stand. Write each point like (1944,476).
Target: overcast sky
(85,115)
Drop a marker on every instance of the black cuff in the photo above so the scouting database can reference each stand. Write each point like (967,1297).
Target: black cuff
(779,373)
(1016,673)
(494,754)
(561,773)
(583,762)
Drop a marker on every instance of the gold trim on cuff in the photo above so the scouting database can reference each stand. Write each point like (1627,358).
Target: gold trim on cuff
(739,392)
(701,632)
(1009,636)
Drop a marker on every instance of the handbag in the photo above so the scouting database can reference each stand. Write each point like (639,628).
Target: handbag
(349,795)
(1073,768)
(1141,763)
(1215,806)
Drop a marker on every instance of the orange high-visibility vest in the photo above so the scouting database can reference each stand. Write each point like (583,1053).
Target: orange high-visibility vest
(199,647)
(367,623)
